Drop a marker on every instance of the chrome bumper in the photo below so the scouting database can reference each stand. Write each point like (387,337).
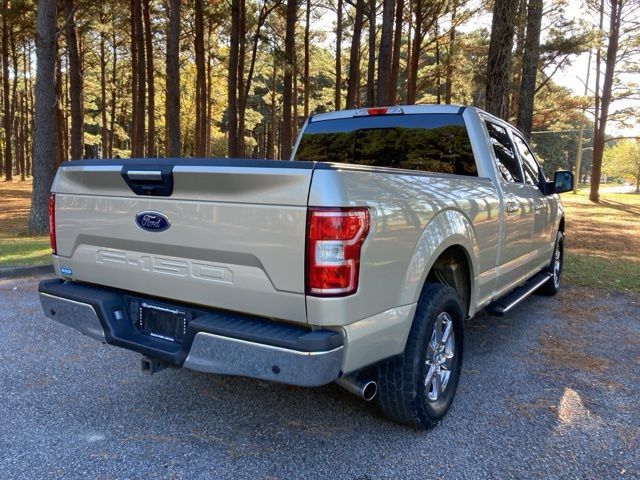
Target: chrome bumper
(80,316)
(214,353)
(229,356)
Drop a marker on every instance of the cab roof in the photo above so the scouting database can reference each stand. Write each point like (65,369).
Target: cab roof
(390,110)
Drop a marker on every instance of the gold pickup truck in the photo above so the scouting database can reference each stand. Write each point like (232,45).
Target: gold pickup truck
(355,262)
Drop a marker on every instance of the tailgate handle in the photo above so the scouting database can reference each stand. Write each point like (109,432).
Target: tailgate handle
(149,180)
(145,175)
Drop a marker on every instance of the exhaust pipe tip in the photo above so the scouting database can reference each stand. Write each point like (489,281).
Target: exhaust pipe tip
(369,391)
(365,389)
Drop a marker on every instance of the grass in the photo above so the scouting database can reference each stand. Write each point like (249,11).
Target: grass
(602,240)
(24,251)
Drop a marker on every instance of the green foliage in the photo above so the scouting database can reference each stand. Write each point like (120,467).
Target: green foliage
(623,161)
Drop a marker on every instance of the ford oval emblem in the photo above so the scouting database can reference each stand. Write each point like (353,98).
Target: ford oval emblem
(152,221)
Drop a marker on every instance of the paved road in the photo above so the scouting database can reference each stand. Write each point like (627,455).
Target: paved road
(550,391)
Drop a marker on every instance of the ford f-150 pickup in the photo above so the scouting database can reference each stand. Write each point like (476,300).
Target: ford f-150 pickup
(355,262)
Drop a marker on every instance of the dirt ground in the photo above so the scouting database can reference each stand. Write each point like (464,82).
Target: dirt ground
(15,200)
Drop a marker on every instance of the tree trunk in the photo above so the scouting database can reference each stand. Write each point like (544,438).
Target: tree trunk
(242,48)
(520,35)
(448,85)
(371,64)
(172,107)
(409,72)
(23,142)
(499,57)
(578,161)
(151,91)
(252,62)
(201,83)
(289,47)
(397,48)
(530,57)
(306,56)
(141,96)
(384,55)
(28,121)
(353,85)
(61,143)
(134,77)
(75,82)
(138,81)
(232,90)
(338,88)
(271,137)
(294,97)
(44,121)
(597,95)
(607,87)
(414,58)
(114,91)
(17,143)
(210,55)
(104,131)
(8,151)
(437,41)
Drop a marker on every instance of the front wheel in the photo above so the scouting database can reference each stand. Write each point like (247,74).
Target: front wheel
(417,387)
(552,286)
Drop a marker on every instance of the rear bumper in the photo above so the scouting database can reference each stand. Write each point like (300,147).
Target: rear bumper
(216,341)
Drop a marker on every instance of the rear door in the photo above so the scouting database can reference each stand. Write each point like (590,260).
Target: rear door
(514,258)
(235,233)
(542,239)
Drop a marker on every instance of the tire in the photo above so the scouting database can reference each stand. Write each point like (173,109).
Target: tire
(551,287)
(402,395)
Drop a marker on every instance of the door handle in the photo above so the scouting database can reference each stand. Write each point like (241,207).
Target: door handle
(512,208)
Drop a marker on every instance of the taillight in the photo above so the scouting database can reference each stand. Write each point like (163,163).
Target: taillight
(52,222)
(334,241)
(377,110)
(373,111)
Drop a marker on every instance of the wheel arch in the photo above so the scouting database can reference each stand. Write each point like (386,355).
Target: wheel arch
(448,240)
(453,268)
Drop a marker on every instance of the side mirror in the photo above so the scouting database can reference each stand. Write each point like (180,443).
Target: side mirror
(562,181)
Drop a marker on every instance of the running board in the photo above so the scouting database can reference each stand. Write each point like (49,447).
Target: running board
(506,303)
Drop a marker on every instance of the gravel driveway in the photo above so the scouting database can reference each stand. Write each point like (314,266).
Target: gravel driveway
(550,391)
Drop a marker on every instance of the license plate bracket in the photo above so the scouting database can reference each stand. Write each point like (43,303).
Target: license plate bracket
(163,321)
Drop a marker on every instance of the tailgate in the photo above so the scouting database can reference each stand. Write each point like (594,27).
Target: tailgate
(234,236)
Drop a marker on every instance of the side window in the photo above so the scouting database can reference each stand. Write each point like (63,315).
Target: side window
(529,164)
(506,159)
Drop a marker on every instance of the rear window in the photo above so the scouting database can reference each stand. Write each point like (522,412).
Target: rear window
(426,142)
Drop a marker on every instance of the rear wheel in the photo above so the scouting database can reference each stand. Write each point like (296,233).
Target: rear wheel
(552,286)
(417,387)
